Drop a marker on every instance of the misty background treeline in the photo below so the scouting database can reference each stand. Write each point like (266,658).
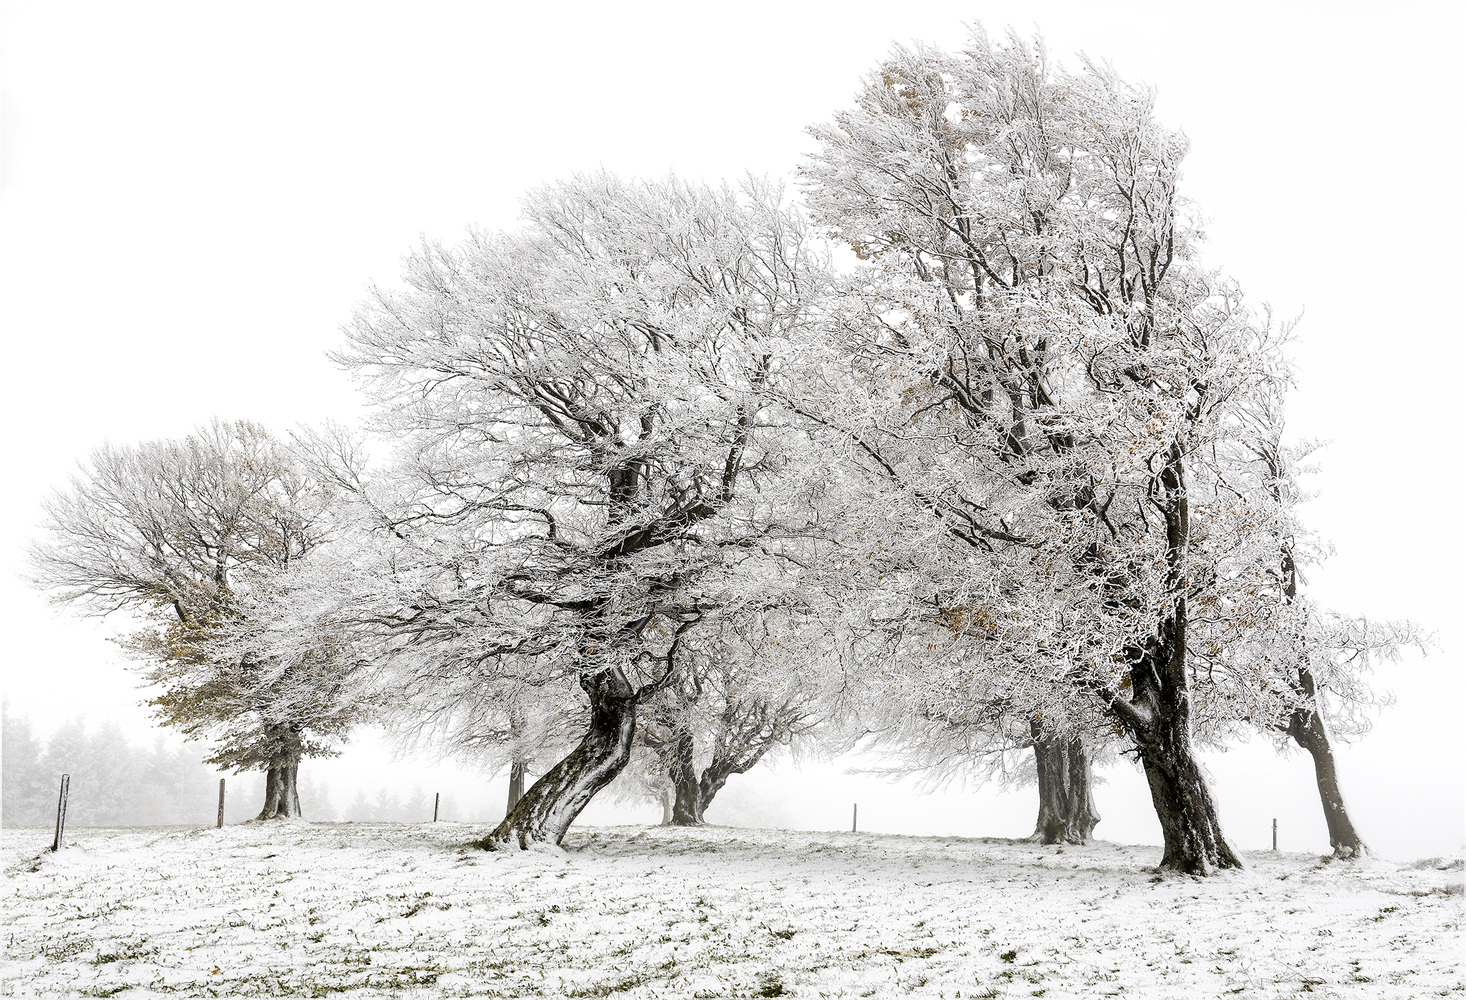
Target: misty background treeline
(118,782)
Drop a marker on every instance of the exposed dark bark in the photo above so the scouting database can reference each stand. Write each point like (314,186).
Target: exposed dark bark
(1190,828)
(516,785)
(712,782)
(1066,809)
(546,810)
(1306,727)
(723,767)
(1158,713)
(282,797)
(1158,719)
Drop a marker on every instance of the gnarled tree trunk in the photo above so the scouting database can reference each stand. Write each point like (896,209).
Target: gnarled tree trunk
(282,798)
(721,768)
(1158,713)
(1066,810)
(1158,718)
(712,782)
(550,805)
(1306,727)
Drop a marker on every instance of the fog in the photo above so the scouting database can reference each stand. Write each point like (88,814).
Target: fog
(192,202)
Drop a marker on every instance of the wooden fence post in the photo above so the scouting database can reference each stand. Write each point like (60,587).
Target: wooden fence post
(854,815)
(61,811)
(1275,833)
(435,806)
(220,824)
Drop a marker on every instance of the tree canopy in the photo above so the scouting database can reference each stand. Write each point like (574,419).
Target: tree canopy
(1012,479)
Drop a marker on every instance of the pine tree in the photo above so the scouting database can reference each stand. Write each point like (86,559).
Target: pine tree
(22,781)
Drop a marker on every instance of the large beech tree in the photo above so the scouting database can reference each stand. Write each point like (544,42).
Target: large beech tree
(182,534)
(1054,381)
(588,448)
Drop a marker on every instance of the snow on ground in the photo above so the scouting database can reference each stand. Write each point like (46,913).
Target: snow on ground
(385,910)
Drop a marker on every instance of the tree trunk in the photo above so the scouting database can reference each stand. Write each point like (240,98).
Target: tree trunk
(713,780)
(1190,829)
(1307,729)
(668,798)
(1053,791)
(1158,718)
(551,804)
(1158,714)
(717,773)
(1066,810)
(1083,814)
(516,785)
(282,797)
(1306,725)
(687,805)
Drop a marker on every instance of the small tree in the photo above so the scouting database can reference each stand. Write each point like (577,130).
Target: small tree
(178,533)
(737,696)
(1273,660)
(938,695)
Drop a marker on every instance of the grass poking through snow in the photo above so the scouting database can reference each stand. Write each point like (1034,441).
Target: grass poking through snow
(383,910)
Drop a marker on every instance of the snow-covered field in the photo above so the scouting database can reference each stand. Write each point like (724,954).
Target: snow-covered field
(391,910)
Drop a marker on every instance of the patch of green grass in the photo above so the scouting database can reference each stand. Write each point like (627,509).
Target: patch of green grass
(606,989)
(425,902)
(66,948)
(103,911)
(770,985)
(129,952)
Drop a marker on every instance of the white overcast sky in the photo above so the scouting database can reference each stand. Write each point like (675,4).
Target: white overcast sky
(193,197)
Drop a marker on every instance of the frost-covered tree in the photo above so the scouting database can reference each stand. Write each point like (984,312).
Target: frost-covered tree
(1272,659)
(933,701)
(588,448)
(1053,383)
(178,533)
(742,690)
(23,783)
